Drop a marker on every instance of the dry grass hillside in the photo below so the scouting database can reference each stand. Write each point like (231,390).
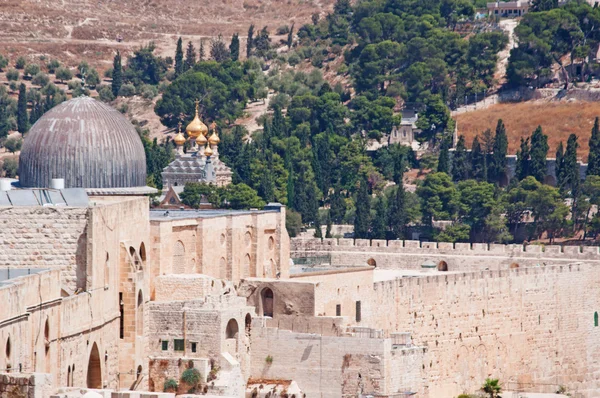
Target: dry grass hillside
(558,120)
(71,30)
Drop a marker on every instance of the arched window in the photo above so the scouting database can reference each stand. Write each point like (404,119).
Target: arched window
(140,314)
(94,374)
(106,272)
(223,268)
(232,329)
(267,302)
(246,269)
(139,372)
(8,348)
(442,266)
(69,376)
(248,322)
(271,243)
(143,252)
(179,258)
(596,319)
(72,375)
(372,262)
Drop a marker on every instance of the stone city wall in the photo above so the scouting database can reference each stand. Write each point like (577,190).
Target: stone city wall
(25,385)
(45,237)
(327,366)
(188,287)
(533,328)
(411,254)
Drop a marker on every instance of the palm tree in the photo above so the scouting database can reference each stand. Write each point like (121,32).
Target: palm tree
(492,388)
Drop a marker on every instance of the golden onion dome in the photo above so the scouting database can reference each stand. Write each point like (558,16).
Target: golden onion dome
(214,139)
(201,140)
(196,127)
(208,151)
(179,138)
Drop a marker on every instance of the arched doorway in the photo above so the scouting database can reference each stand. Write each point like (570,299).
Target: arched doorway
(442,266)
(232,329)
(140,314)
(267,302)
(94,373)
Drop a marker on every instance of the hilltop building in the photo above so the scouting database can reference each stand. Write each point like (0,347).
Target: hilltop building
(101,294)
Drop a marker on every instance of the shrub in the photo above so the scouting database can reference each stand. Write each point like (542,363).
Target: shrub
(20,63)
(53,66)
(191,377)
(13,144)
(283,30)
(293,59)
(108,73)
(13,86)
(269,359)
(148,91)
(32,69)
(12,75)
(40,79)
(105,94)
(10,167)
(3,62)
(123,108)
(83,67)
(127,90)
(63,74)
(171,385)
(92,78)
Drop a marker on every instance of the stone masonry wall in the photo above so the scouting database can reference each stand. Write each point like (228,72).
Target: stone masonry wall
(25,385)
(45,237)
(411,254)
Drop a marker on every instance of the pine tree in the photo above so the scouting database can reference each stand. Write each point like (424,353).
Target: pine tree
(560,166)
(117,75)
(571,168)
(379,223)
(500,149)
(290,37)
(522,168)
(201,52)
(460,163)
(328,230)
(179,68)
(539,151)
(22,110)
(278,128)
(250,41)
(478,167)
(190,57)
(234,47)
(444,158)
(337,206)
(397,218)
(363,211)
(594,154)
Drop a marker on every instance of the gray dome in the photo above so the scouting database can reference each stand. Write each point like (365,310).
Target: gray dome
(86,142)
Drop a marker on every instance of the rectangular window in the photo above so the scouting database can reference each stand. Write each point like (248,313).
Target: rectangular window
(165,345)
(178,343)
(193,347)
(358,314)
(338,310)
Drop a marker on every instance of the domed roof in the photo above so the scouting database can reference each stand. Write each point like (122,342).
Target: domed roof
(86,142)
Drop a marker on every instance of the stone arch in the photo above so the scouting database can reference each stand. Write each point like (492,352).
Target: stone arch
(232,329)
(267,302)
(179,258)
(94,372)
(143,252)
(271,243)
(372,262)
(248,238)
(246,267)
(140,314)
(442,266)
(248,322)
(550,180)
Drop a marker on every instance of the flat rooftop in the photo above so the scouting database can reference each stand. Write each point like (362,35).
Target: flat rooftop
(168,215)
(6,274)
(380,275)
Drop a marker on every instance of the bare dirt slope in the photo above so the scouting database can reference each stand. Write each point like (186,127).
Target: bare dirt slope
(72,30)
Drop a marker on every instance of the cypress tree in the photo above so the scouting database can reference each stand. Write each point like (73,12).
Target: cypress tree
(539,151)
(337,206)
(290,190)
(379,224)
(363,211)
(560,166)
(328,230)
(234,47)
(571,168)
(397,218)
(522,169)
(318,232)
(22,110)
(117,76)
(190,57)
(444,158)
(498,161)
(278,126)
(460,164)
(179,68)
(290,37)
(250,41)
(201,52)
(478,169)
(594,154)
(398,168)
